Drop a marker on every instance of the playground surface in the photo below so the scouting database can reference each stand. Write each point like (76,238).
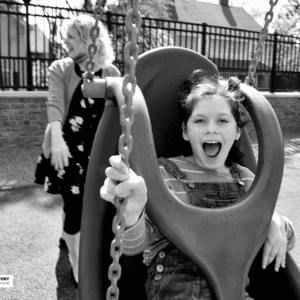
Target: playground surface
(31,226)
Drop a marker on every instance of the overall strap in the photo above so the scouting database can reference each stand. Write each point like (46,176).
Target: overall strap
(236,174)
(172,168)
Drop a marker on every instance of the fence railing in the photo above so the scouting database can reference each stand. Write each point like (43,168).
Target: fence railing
(32,37)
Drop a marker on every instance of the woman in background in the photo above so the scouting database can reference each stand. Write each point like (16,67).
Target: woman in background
(72,123)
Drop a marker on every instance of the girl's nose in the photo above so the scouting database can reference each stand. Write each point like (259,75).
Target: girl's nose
(211,129)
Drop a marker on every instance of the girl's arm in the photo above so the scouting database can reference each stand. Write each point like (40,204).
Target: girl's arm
(280,239)
(281,236)
(123,182)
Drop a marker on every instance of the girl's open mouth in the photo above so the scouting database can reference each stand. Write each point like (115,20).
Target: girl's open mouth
(212,149)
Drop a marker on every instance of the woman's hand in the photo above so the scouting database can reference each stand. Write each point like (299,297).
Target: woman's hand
(275,246)
(60,153)
(123,182)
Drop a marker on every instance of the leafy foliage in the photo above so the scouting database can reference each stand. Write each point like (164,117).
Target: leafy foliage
(288,19)
(148,8)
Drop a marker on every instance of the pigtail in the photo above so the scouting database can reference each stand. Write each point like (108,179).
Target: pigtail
(233,84)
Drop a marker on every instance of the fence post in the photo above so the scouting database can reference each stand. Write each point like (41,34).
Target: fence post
(108,21)
(273,72)
(29,63)
(203,48)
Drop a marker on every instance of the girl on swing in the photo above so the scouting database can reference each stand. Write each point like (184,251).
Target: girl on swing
(212,119)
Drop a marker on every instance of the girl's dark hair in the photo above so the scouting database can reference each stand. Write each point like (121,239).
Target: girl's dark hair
(201,84)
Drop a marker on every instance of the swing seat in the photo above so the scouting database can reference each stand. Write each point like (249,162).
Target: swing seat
(231,241)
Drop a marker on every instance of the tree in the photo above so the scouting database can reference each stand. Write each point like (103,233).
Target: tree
(87,5)
(148,8)
(150,36)
(288,19)
(258,15)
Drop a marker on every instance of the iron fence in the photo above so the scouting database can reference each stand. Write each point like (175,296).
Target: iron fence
(32,37)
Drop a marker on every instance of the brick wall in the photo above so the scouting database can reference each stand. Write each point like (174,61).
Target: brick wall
(287,110)
(23,116)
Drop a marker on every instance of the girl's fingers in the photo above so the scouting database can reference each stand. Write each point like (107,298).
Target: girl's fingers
(117,163)
(270,253)
(115,174)
(124,189)
(107,191)
(106,195)
(266,253)
(280,259)
(278,262)
(271,259)
(283,261)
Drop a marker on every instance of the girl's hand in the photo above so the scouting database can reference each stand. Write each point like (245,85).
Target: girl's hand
(123,182)
(275,246)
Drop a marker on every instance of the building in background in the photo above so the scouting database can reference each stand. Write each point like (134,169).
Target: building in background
(228,49)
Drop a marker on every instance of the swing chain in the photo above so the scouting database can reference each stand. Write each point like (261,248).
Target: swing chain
(92,48)
(259,47)
(131,52)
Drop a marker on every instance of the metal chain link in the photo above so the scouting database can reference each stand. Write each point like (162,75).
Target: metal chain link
(131,52)
(92,48)
(259,47)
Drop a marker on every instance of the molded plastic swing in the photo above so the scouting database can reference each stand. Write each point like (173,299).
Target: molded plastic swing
(224,243)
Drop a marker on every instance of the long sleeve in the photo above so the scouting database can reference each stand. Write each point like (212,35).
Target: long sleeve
(56,99)
(138,237)
(290,231)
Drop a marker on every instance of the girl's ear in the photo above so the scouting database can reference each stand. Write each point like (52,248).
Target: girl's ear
(238,133)
(184,135)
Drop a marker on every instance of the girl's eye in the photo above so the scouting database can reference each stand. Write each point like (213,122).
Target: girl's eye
(199,121)
(223,121)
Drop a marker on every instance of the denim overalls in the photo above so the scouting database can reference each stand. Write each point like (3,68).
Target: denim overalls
(171,275)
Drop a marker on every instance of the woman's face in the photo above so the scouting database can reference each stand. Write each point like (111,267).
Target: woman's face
(211,131)
(76,47)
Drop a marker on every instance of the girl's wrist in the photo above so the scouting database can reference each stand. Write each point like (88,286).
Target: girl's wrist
(132,218)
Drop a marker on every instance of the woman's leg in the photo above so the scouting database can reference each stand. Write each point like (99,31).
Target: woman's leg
(73,241)
(71,226)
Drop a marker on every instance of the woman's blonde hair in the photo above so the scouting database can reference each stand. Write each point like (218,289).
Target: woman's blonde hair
(83,24)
